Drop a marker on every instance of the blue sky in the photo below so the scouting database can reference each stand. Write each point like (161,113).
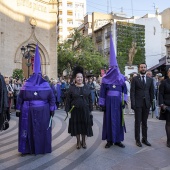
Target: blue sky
(140,7)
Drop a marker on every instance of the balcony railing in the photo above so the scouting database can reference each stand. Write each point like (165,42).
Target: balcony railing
(107,34)
(98,39)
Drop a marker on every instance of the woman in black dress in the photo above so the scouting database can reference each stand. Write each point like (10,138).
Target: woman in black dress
(164,102)
(79,101)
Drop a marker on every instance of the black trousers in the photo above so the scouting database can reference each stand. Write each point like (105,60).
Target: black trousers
(141,116)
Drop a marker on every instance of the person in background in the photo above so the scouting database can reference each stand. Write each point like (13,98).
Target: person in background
(3,101)
(94,81)
(35,109)
(17,87)
(134,75)
(159,80)
(58,91)
(128,108)
(92,88)
(154,108)
(63,92)
(97,92)
(112,99)
(79,103)
(10,93)
(86,81)
(142,95)
(164,103)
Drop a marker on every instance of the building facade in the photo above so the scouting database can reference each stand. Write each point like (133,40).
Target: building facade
(154,34)
(45,22)
(24,22)
(70,15)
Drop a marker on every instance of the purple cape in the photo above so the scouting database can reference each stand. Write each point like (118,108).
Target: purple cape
(113,76)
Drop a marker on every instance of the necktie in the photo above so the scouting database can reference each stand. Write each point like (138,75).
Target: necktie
(143,80)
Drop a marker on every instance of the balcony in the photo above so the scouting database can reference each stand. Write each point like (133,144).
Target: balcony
(107,34)
(98,39)
(70,15)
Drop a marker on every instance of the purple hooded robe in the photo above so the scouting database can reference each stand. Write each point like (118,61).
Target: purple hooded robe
(112,88)
(35,101)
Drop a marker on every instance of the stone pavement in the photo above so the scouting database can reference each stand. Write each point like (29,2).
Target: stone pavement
(65,156)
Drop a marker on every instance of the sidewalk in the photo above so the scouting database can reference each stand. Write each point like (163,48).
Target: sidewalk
(65,156)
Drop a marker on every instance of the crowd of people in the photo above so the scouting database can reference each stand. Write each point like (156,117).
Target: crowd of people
(36,99)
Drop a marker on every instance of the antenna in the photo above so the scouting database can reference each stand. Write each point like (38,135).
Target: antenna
(154,6)
(121,9)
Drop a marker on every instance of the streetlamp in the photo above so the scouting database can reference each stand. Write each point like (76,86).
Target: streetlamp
(26,54)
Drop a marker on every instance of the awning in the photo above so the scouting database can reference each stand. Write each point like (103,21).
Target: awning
(162,62)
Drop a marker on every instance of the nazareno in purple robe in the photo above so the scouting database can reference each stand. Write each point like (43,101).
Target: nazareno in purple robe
(111,98)
(112,88)
(35,101)
(35,105)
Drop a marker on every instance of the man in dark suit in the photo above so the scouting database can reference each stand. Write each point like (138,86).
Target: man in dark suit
(142,95)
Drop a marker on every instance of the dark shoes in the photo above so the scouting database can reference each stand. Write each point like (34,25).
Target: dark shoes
(120,144)
(146,142)
(138,143)
(84,145)
(78,145)
(108,144)
(168,145)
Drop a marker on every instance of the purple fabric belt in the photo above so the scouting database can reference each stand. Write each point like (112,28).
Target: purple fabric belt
(113,93)
(37,102)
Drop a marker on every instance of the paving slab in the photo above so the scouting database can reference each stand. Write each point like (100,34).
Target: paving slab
(65,156)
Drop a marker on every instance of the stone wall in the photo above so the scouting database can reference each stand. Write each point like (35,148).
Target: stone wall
(16,30)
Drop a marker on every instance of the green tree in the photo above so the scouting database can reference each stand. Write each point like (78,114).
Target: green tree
(80,50)
(18,74)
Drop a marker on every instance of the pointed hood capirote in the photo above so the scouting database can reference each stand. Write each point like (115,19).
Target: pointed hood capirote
(113,76)
(36,82)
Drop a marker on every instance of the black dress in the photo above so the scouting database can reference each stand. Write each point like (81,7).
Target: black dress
(79,123)
(164,96)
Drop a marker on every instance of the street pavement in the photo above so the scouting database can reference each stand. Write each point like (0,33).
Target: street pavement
(65,156)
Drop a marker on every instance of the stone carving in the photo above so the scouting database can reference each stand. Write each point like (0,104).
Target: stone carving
(132,52)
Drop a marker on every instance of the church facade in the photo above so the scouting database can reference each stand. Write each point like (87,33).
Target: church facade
(23,23)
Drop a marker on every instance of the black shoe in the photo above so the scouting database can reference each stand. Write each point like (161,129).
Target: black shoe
(84,145)
(108,144)
(157,117)
(120,144)
(78,145)
(138,143)
(168,145)
(146,142)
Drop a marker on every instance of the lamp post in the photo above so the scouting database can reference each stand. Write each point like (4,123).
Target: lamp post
(26,54)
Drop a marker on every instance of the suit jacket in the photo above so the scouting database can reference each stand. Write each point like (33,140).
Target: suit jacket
(138,92)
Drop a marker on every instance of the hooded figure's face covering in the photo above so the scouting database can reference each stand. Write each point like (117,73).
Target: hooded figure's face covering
(113,76)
